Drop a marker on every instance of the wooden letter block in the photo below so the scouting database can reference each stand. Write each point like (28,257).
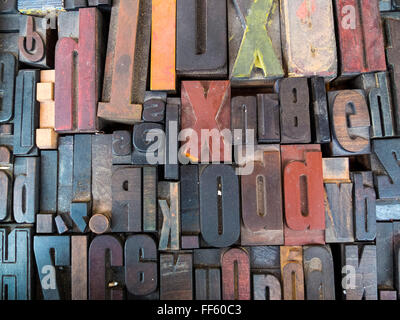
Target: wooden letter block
(360,262)
(15,263)
(321,132)
(350,123)
(308,38)
(243,118)
(201,39)
(40,7)
(79,269)
(268,114)
(76,97)
(364,206)
(142,147)
(176,273)
(65,173)
(105,256)
(206,105)
(149,199)
(360,37)
(385,255)
(263,283)
(82,174)
(154,106)
(318,272)
(8,73)
(48,181)
(26,189)
(219,205)
(26,118)
(122,147)
(207,264)
(292,273)
(304,194)
(336,170)
(127,62)
(171,166)
(168,202)
(163,38)
(235,264)
(262,217)
(387,295)
(8,6)
(5,196)
(295,110)
(255,56)
(45,223)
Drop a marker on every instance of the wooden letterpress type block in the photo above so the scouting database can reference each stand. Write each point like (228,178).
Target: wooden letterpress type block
(172,116)
(163,41)
(336,170)
(26,189)
(9,33)
(106,260)
(45,223)
(201,39)
(8,6)
(100,223)
(387,210)
(219,205)
(141,271)
(396,4)
(5,196)
(6,135)
(387,295)
(263,283)
(68,25)
(79,215)
(48,181)
(292,272)
(385,255)
(206,105)
(388,153)
(176,275)
(190,203)
(243,118)
(126,199)
(385,5)
(170,223)
(308,38)
(154,106)
(339,212)
(350,123)
(46,138)
(26,118)
(364,206)
(53,257)
(36,42)
(8,73)
(396,250)
(295,110)
(82,174)
(268,116)
(121,147)
(318,273)
(360,263)
(361,45)
(77,64)
(65,173)
(149,199)
(255,56)
(319,111)
(304,194)
(262,217)
(142,146)
(376,86)
(15,262)
(235,264)
(76,4)
(79,267)
(127,62)
(207,268)
(61,225)
(40,7)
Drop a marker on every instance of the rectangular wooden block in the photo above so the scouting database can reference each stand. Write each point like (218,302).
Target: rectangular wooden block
(350,123)
(207,268)
(360,36)
(385,255)
(40,7)
(387,295)
(127,62)
(82,174)
(268,118)
(387,210)
(46,139)
(201,39)
(15,262)
(320,128)
(149,199)
(262,216)
(79,267)
(304,194)
(45,223)
(172,127)
(336,170)
(8,72)
(176,273)
(48,181)
(147,147)
(313,23)
(244,119)
(121,147)
(292,272)
(154,106)
(76,4)
(206,105)
(8,6)
(76,97)
(6,185)
(163,42)
(65,173)
(254,34)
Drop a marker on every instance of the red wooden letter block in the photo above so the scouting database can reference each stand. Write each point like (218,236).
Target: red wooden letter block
(76,100)
(304,194)
(206,105)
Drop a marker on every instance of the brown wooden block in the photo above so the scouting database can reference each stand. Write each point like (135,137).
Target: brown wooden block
(359,263)
(295,110)
(206,105)
(304,194)
(100,223)
(318,273)
(262,217)
(364,206)
(79,270)
(176,272)
(268,116)
(105,268)
(336,170)
(243,118)
(350,123)
(255,56)
(385,255)
(292,272)
(127,62)
(78,76)
(169,223)
(308,38)
(387,295)
(235,264)
(360,37)
(46,139)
